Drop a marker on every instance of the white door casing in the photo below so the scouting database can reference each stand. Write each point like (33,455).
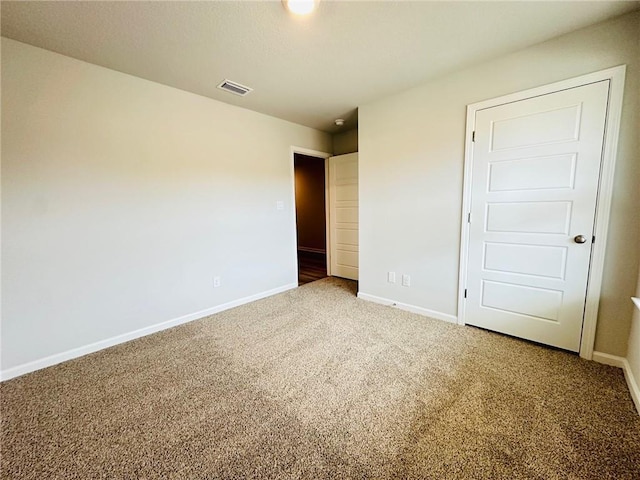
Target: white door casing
(534,186)
(343,215)
(616,76)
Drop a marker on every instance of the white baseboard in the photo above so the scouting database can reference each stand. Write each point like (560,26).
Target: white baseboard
(125,337)
(311,250)
(409,308)
(607,359)
(621,362)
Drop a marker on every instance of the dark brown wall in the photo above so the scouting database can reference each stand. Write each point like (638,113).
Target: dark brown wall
(310,202)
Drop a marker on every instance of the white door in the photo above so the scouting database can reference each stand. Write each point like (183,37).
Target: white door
(535,172)
(343,215)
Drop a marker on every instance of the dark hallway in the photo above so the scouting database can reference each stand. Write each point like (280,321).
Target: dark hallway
(310,218)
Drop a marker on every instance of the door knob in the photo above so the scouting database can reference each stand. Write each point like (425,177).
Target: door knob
(580,239)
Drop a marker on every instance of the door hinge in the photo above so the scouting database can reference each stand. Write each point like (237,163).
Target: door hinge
(469,217)
(473,136)
(593,239)
(465,293)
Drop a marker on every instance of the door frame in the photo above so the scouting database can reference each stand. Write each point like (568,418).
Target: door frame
(616,76)
(325,156)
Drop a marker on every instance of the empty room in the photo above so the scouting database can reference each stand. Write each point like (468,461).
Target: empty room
(320,239)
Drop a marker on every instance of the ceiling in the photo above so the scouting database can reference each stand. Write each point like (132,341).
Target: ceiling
(306,70)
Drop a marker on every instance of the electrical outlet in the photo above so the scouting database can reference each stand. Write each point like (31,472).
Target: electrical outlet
(216,282)
(391,277)
(406,280)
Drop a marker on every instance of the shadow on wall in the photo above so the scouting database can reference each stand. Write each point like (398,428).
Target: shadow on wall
(345,142)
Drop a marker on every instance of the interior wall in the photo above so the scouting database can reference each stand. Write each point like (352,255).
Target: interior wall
(345,142)
(411,173)
(123,198)
(310,203)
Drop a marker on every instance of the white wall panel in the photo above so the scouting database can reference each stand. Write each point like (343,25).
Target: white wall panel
(411,172)
(122,198)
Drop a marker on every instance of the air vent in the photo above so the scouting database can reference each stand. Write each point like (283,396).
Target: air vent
(235,88)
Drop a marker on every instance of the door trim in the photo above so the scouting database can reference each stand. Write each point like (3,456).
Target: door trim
(325,156)
(616,76)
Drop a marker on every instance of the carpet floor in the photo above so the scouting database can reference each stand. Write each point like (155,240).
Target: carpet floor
(315,383)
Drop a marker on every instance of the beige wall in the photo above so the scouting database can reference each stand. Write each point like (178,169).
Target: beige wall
(123,198)
(310,202)
(345,142)
(411,173)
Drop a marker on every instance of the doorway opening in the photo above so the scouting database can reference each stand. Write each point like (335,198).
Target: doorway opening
(311,215)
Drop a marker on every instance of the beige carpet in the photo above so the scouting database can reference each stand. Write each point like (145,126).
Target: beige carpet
(317,384)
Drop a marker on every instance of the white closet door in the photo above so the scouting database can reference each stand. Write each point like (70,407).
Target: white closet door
(536,167)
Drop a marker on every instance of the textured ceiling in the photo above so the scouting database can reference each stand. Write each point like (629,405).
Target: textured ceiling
(308,71)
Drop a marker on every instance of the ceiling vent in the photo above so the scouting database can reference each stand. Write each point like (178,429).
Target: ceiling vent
(235,88)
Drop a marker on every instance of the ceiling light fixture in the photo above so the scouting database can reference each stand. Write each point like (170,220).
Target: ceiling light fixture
(300,7)
(339,122)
